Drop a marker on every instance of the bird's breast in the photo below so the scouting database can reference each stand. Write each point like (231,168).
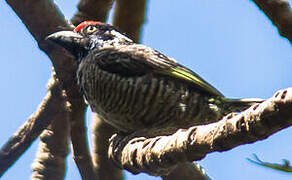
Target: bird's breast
(150,100)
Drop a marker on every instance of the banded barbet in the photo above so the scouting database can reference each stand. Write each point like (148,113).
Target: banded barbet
(132,86)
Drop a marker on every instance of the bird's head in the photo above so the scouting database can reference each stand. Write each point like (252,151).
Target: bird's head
(87,36)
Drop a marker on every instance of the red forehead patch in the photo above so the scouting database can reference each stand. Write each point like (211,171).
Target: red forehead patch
(86,23)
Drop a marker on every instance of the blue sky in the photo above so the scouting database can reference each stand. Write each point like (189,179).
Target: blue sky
(231,44)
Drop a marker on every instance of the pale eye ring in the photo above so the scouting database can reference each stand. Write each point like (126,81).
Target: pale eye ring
(90,29)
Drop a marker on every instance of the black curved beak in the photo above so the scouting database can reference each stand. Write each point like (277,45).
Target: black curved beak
(71,41)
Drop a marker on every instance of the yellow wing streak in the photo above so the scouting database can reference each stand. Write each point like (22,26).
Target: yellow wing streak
(185,74)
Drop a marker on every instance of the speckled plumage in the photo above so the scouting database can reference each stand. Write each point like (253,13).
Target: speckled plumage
(132,86)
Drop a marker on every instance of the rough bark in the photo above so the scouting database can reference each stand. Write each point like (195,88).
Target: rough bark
(158,152)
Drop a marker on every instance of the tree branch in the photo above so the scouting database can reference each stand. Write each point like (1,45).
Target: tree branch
(49,110)
(41,19)
(279,12)
(187,171)
(129,17)
(81,153)
(146,151)
(50,162)
(101,134)
(92,10)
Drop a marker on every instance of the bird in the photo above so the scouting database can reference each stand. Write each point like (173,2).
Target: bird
(133,87)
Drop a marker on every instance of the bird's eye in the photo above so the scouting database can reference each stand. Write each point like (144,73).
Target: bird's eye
(90,29)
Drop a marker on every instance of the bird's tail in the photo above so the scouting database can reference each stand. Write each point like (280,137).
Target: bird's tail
(237,105)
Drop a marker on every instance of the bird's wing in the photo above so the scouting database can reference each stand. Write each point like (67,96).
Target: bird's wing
(138,60)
